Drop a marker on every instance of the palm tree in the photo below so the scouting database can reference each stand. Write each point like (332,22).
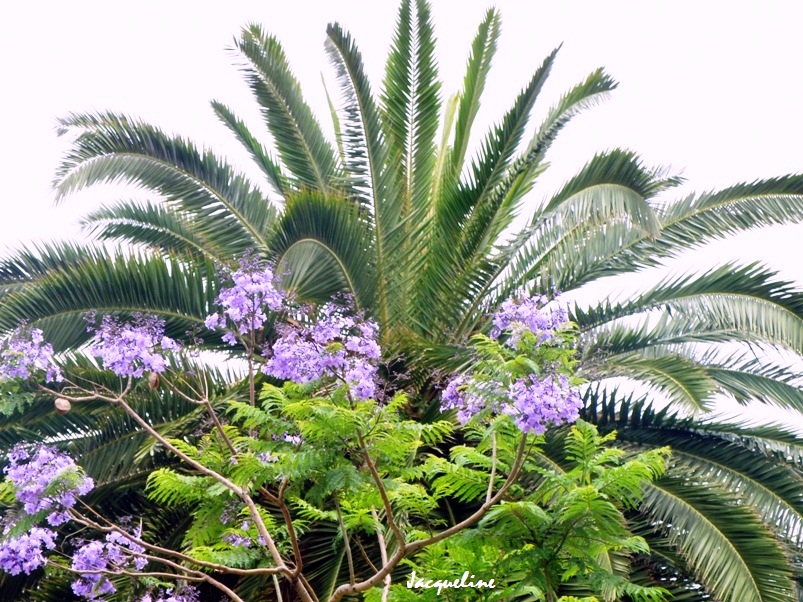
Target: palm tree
(428,239)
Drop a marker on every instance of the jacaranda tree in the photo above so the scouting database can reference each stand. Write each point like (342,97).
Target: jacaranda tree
(413,217)
(330,445)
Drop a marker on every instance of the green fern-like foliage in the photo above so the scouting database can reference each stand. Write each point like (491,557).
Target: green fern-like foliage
(569,534)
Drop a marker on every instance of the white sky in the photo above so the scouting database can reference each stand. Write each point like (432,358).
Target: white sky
(712,89)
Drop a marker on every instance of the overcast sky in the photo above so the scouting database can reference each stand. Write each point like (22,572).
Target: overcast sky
(711,89)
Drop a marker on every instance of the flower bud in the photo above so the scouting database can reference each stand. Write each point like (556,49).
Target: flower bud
(62,405)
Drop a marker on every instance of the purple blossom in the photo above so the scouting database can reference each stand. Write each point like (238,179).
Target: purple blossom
(267,457)
(536,404)
(462,394)
(528,314)
(122,550)
(230,512)
(132,348)
(237,540)
(534,401)
(291,439)
(336,345)
(24,554)
(24,352)
(96,558)
(46,479)
(252,291)
(91,559)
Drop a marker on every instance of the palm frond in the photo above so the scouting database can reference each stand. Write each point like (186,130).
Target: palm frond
(323,246)
(724,542)
(684,382)
(483,49)
(180,292)
(298,137)
(699,219)
(750,379)
(373,179)
(258,152)
(593,89)
(116,149)
(613,186)
(153,226)
(688,294)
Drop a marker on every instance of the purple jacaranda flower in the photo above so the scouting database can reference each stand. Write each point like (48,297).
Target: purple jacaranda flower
(534,401)
(536,404)
(123,550)
(95,559)
(237,540)
(528,313)
(24,352)
(25,553)
(466,396)
(46,479)
(91,560)
(132,348)
(252,292)
(335,345)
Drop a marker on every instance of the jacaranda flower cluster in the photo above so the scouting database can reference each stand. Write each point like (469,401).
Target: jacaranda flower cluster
(25,553)
(336,345)
(243,304)
(95,559)
(132,348)
(333,345)
(528,314)
(46,480)
(535,399)
(24,352)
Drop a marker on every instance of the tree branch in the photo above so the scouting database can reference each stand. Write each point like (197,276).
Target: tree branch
(352,578)
(382,492)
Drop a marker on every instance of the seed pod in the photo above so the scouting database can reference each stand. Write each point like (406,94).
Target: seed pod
(62,405)
(153,380)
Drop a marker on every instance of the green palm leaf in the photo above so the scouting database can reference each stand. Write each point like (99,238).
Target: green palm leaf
(156,227)
(57,303)
(296,132)
(725,542)
(112,148)
(483,49)
(373,180)
(258,152)
(324,246)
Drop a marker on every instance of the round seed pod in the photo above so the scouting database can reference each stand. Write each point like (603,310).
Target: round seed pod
(62,405)
(153,380)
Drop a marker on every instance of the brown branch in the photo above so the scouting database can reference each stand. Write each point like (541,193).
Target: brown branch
(191,575)
(352,578)
(493,468)
(222,568)
(365,554)
(383,552)
(239,491)
(278,501)
(382,492)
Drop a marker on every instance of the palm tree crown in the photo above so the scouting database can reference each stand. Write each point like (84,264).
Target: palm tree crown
(428,236)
